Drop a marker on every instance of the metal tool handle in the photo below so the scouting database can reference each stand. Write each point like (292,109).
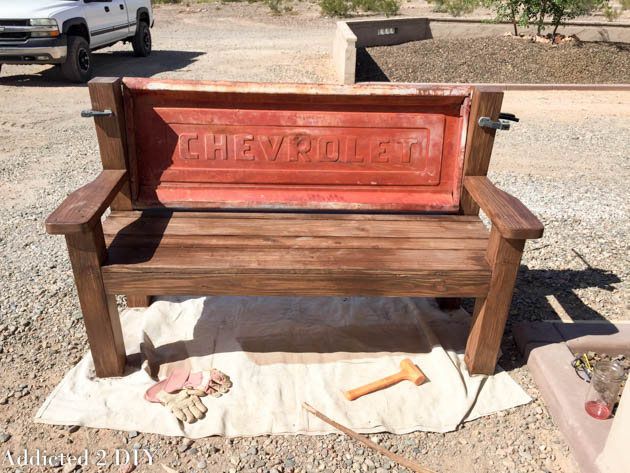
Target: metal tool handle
(497,125)
(96,113)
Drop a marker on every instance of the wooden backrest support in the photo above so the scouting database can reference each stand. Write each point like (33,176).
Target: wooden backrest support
(219,145)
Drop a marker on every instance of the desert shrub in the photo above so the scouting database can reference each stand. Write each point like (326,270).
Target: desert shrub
(389,7)
(347,7)
(455,7)
(274,6)
(336,7)
(611,13)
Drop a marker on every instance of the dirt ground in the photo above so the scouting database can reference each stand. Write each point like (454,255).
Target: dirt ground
(567,159)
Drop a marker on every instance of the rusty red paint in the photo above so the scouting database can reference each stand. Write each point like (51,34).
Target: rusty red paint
(227,145)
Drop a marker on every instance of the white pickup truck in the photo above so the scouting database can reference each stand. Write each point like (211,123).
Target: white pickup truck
(65,32)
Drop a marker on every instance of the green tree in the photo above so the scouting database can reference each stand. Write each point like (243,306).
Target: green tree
(562,10)
(513,11)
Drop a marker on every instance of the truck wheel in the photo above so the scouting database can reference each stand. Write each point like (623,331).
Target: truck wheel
(78,66)
(141,41)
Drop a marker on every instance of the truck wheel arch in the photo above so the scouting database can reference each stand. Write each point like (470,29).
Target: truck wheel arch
(143,15)
(76,27)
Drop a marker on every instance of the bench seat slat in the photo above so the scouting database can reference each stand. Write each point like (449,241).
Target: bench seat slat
(196,253)
(244,241)
(194,226)
(299,260)
(422,284)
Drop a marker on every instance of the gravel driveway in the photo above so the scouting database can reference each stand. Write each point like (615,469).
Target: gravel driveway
(567,160)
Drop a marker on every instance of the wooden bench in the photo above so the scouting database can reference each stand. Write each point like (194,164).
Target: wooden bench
(270,189)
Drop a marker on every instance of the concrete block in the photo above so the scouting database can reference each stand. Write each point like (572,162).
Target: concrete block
(613,339)
(529,334)
(345,53)
(389,31)
(615,458)
(564,393)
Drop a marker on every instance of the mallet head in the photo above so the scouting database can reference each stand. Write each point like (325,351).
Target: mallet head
(412,372)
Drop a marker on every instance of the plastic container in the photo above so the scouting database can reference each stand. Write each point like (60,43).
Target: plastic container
(604,389)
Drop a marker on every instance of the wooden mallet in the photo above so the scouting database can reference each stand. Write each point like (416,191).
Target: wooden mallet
(408,371)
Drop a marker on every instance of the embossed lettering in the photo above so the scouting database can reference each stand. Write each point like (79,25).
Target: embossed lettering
(328,148)
(270,146)
(216,144)
(243,147)
(406,149)
(184,145)
(380,150)
(300,146)
(351,151)
(407,145)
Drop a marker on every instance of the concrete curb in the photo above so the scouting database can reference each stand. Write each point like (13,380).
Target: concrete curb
(547,347)
(389,31)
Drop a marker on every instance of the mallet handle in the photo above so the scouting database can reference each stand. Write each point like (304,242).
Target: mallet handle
(352,394)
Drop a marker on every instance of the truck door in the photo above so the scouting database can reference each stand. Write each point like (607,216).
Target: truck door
(107,20)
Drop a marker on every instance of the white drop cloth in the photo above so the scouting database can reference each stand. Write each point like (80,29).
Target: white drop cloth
(280,351)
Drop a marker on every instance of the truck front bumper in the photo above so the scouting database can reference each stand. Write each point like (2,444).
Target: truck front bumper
(35,51)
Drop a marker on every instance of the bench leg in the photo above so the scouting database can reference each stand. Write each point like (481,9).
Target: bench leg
(138,301)
(449,303)
(100,312)
(490,315)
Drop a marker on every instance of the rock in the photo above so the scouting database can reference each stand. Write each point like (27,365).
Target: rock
(252,451)
(186,443)
(133,434)
(3,400)
(290,463)
(4,437)
(69,467)
(73,428)
(137,446)
(202,464)
(127,468)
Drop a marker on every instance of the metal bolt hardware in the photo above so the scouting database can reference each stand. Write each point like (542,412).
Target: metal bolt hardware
(96,113)
(497,125)
(508,116)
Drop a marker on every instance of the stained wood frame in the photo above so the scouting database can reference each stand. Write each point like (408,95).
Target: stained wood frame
(491,281)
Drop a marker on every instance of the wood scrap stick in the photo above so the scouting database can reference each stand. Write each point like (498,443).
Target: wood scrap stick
(383,451)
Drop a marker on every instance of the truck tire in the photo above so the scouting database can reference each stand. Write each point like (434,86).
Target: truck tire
(141,41)
(78,66)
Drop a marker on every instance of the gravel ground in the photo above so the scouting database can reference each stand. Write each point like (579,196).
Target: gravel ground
(495,59)
(566,159)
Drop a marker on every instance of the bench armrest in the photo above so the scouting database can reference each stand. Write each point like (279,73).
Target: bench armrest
(84,207)
(507,213)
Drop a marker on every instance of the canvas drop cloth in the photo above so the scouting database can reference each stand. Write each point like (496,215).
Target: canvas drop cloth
(281,351)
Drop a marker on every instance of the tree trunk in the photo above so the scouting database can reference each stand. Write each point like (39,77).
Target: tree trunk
(541,17)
